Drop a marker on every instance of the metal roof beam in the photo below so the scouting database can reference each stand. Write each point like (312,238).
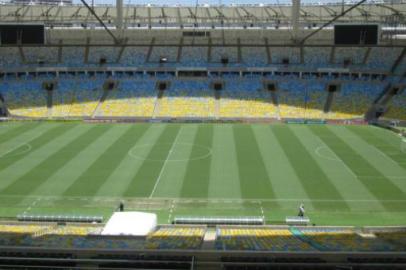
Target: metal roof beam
(270,17)
(240,17)
(330,11)
(250,15)
(191,14)
(209,15)
(220,14)
(76,13)
(26,11)
(46,12)
(163,14)
(331,21)
(105,13)
(116,41)
(180,20)
(395,11)
(363,12)
(58,11)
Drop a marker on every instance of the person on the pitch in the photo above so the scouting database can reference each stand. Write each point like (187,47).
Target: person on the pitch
(301,210)
(121,206)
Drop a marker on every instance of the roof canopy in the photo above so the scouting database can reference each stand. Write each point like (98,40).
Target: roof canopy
(183,16)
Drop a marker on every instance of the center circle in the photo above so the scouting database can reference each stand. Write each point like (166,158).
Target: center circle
(169,152)
(20,150)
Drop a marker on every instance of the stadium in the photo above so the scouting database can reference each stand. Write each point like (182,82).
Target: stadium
(203,135)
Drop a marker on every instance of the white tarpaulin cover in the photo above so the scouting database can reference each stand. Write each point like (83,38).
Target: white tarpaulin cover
(130,223)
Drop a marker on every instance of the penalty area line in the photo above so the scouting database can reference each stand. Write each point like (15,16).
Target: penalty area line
(171,212)
(31,206)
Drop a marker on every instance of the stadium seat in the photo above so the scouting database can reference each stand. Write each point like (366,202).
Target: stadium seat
(382,59)
(10,57)
(187,99)
(256,239)
(397,107)
(108,54)
(218,53)
(254,56)
(41,55)
(354,54)
(134,56)
(169,53)
(316,57)
(175,238)
(25,98)
(73,56)
(133,98)
(246,97)
(278,54)
(330,239)
(194,56)
(354,99)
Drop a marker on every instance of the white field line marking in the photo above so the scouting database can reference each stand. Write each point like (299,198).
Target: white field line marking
(171,212)
(383,154)
(36,135)
(334,154)
(209,152)
(392,143)
(384,176)
(317,151)
(177,200)
(15,148)
(389,132)
(6,127)
(261,208)
(31,205)
(165,162)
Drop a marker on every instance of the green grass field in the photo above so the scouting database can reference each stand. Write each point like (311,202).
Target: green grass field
(345,175)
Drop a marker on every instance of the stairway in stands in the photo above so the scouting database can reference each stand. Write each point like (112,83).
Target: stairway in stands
(380,104)
(101,101)
(157,105)
(329,102)
(331,93)
(3,107)
(209,244)
(50,94)
(275,101)
(217,97)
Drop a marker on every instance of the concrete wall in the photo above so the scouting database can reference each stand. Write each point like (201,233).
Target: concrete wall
(173,36)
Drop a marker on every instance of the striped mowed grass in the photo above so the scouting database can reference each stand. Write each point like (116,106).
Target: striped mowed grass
(345,175)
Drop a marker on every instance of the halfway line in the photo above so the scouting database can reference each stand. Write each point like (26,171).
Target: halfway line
(163,166)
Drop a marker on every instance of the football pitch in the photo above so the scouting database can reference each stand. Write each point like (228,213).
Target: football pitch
(344,175)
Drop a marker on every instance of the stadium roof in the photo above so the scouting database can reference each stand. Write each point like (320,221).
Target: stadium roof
(227,16)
